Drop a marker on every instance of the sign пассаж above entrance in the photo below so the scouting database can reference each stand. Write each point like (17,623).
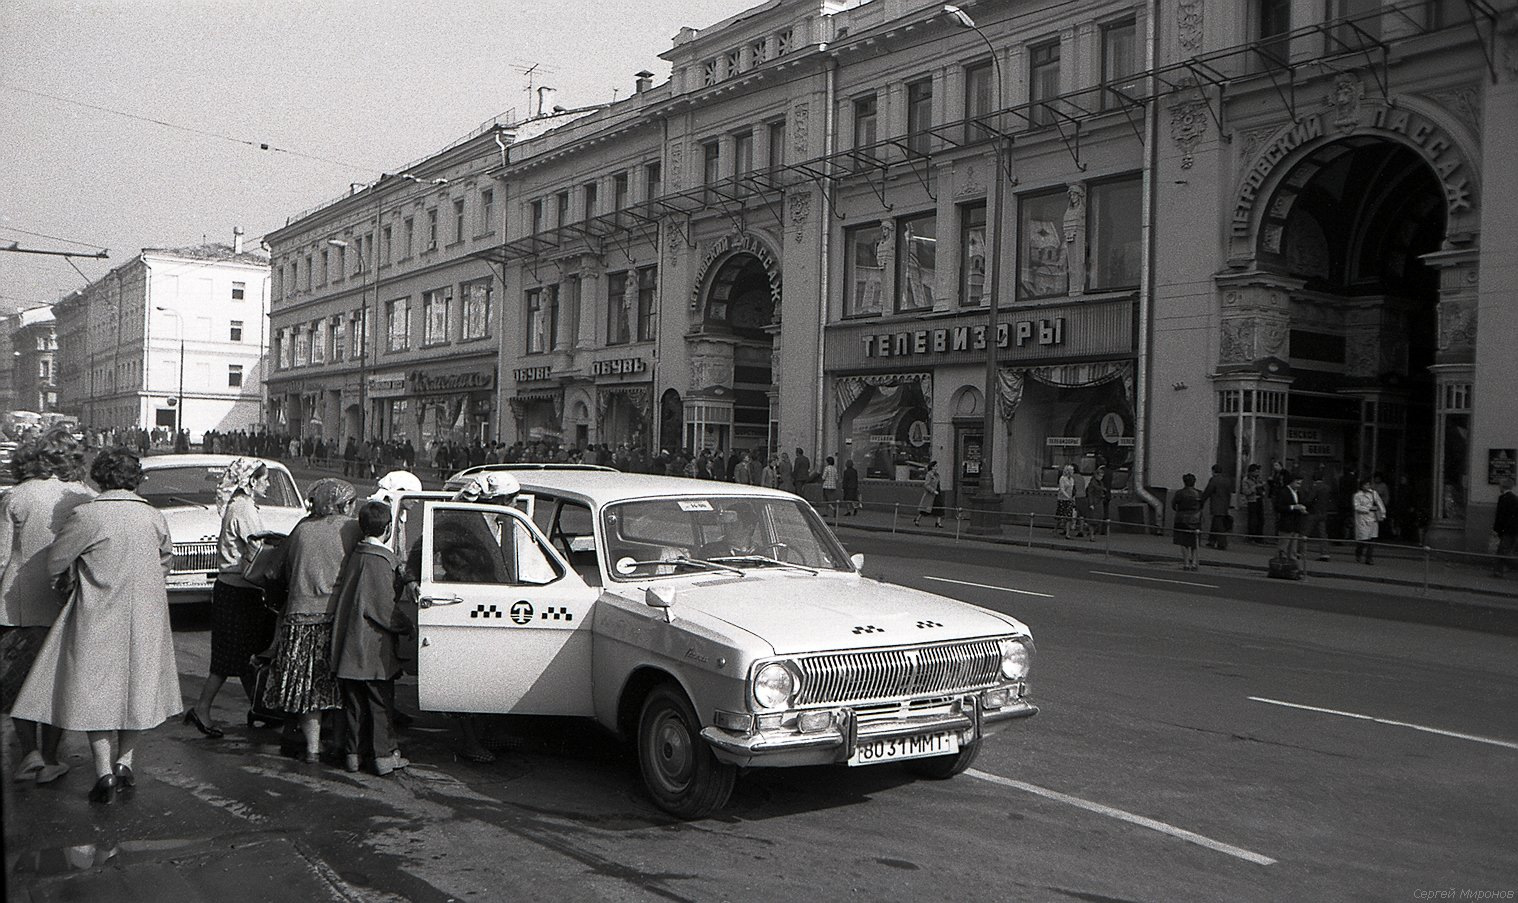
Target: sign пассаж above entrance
(731,244)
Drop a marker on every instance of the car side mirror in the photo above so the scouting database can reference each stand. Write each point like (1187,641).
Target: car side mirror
(660,597)
(857,560)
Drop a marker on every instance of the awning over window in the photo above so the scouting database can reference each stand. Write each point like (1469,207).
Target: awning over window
(1010,380)
(847,389)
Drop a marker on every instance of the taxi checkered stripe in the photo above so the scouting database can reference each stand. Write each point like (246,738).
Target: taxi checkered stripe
(557,614)
(484,611)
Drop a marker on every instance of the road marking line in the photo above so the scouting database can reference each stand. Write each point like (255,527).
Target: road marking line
(1156,579)
(1120,815)
(1004,589)
(1359,717)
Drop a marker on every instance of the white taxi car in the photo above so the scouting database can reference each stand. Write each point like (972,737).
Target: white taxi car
(183,487)
(716,625)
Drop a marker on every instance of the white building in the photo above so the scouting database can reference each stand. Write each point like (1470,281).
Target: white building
(168,328)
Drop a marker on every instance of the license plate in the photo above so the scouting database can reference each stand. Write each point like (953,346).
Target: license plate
(894,749)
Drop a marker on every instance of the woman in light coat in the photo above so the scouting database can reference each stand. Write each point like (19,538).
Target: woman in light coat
(107,666)
(1370,511)
(1064,501)
(49,470)
(931,502)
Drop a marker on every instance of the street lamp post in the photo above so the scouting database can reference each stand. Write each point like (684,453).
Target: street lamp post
(179,400)
(987,501)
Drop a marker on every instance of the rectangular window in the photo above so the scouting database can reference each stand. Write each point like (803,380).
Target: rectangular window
(302,346)
(308,272)
(536,210)
(978,100)
(234,375)
(1113,249)
(487,211)
(1043,268)
(325,270)
(743,153)
(398,324)
(920,115)
(1363,27)
(619,191)
(432,229)
(458,220)
(319,342)
(1119,63)
(972,255)
(239,290)
(1272,23)
(654,180)
(863,272)
(235,333)
(436,305)
(711,161)
(537,322)
(387,246)
(776,148)
(916,262)
(618,310)
(865,111)
(477,297)
(561,206)
(648,282)
(339,338)
(1043,81)
(358,336)
(589,194)
(410,229)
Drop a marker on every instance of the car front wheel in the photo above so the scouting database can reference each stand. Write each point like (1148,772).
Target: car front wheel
(679,770)
(938,768)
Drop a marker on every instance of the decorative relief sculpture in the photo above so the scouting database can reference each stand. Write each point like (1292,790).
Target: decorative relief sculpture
(1189,25)
(800,203)
(1344,99)
(970,184)
(1464,102)
(1252,141)
(1075,213)
(1361,353)
(676,151)
(1188,122)
(1457,325)
(798,129)
(1236,345)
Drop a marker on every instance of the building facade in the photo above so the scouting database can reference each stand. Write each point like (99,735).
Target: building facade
(34,374)
(173,338)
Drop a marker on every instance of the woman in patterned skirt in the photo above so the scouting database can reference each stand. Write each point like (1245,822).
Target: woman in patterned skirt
(301,681)
(240,623)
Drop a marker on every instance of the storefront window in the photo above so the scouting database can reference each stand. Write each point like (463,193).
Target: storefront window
(972,255)
(1114,249)
(477,298)
(435,309)
(537,322)
(1044,269)
(1076,414)
(916,258)
(618,310)
(398,324)
(1454,441)
(648,280)
(887,423)
(864,269)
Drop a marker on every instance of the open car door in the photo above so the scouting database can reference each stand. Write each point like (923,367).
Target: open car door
(504,623)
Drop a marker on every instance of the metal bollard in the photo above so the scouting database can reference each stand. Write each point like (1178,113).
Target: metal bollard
(1425,569)
(958,523)
(895,512)
(1030,529)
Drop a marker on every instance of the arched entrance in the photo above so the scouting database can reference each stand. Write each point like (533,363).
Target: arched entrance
(1331,358)
(732,379)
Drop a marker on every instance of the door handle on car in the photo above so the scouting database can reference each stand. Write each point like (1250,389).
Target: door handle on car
(429,601)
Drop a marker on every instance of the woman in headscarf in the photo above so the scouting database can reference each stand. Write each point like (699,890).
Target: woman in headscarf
(240,623)
(107,666)
(301,681)
(49,472)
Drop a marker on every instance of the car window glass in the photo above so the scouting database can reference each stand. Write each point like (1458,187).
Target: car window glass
(719,527)
(486,547)
(167,487)
(573,535)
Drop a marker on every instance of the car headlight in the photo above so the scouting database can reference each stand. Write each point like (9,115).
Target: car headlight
(774,685)
(1016,658)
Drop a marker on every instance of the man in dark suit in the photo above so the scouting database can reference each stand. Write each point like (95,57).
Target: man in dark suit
(1319,502)
(1505,525)
(801,470)
(1291,511)
(1218,496)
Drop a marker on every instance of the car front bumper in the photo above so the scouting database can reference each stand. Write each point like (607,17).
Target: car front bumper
(788,747)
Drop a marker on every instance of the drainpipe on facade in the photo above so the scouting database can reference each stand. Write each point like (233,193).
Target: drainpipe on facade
(1146,284)
(656,403)
(824,271)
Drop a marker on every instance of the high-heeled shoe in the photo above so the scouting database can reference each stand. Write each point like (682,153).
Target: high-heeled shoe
(125,780)
(210,730)
(104,790)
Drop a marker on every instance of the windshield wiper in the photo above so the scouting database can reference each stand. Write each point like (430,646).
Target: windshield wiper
(668,562)
(764,559)
(180,498)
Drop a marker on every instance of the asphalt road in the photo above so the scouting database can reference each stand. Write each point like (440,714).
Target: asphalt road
(1196,742)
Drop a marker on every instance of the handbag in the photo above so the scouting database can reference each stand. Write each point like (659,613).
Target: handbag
(263,562)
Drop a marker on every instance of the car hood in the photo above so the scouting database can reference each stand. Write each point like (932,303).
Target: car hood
(189,523)
(795,612)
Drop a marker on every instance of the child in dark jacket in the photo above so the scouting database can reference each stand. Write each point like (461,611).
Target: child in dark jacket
(366,630)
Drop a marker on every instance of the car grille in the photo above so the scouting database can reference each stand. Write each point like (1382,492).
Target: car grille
(846,677)
(195,556)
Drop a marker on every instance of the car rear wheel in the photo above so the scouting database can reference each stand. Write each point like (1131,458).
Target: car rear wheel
(679,770)
(939,768)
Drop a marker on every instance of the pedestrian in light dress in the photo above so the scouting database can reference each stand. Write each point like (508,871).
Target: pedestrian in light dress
(1064,501)
(300,676)
(931,502)
(1370,511)
(241,625)
(49,470)
(107,666)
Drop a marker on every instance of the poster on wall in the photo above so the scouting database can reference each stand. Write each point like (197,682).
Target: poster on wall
(1501,464)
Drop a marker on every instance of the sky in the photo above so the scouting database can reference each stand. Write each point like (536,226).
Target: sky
(341,91)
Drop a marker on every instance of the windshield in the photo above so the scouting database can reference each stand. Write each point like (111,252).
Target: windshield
(738,531)
(169,487)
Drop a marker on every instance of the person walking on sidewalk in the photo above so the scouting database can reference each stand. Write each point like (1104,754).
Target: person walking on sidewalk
(1505,525)
(1370,511)
(1290,515)
(1252,493)
(107,667)
(830,484)
(1099,499)
(1064,502)
(1319,502)
(1187,505)
(932,496)
(1219,499)
(851,503)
